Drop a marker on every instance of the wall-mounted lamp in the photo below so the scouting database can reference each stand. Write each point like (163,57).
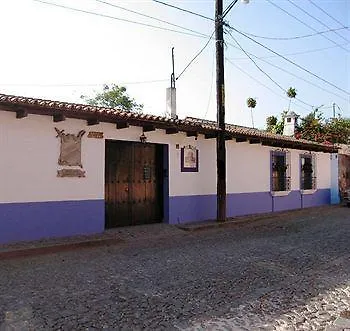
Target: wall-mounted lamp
(143,138)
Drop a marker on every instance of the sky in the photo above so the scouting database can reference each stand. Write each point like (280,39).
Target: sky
(60,54)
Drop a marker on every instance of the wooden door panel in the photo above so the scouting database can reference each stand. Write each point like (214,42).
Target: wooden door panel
(133,184)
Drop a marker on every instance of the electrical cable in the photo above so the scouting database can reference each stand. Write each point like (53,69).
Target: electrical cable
(82,85)
(118,19)
(195,57)
(185,10)
(291,54)
(292,74)
(211,85)
(334,19)
(148,16)
(267,75)
(316,19)
(262,84)
(292,62)
(307,25)
(296,37)
(228,8)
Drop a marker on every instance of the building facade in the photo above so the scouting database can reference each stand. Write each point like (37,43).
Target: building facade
(69,169)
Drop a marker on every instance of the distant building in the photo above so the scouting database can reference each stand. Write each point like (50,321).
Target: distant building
(290,122)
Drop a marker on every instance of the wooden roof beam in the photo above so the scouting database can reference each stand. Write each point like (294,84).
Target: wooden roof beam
(122,125)
(148,128)
(192,134)
(92,121)
(241,139)
(171,130)
(58,117)
(21,113)
(254,141)
(210,135)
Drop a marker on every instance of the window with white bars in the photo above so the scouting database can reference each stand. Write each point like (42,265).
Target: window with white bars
(280,171)
(308,172)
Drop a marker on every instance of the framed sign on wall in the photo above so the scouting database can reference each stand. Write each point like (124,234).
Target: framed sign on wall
(189,159)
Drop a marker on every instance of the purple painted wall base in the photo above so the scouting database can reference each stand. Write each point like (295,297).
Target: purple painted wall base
(197,208)
(36,220)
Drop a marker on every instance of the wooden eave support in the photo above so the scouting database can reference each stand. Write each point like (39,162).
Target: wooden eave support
(122,125)
(192,134)
(210,135)
(254,141)
(171,130)
(148,128)
(58,117)
(21,113)
(241,139)
(92,121)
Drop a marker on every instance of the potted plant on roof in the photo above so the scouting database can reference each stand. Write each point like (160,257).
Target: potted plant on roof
(251,103)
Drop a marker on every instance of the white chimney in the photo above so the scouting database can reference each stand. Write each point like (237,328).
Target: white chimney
(171,102)
(290,121)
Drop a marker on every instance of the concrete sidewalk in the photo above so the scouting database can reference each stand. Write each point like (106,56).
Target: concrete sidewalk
(145,232)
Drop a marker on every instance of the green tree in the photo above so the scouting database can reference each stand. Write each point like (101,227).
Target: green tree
(337,131)
(251,103)
(274,125)
(271,123)
(291,93)
(312,127)
(114,96)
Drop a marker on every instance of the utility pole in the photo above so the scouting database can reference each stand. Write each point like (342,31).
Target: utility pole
(220,101)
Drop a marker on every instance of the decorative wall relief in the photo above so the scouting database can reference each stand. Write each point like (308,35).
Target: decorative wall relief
(70,154)
(189,159)
(70,151)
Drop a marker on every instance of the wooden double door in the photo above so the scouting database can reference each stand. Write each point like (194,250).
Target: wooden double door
(133,183)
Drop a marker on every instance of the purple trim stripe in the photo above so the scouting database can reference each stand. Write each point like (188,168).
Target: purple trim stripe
(37,220)
(196,208)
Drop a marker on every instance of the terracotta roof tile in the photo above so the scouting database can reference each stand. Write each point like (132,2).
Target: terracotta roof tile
(42,106)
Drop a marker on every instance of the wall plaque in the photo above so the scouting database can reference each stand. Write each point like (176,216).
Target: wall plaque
(189,159)
(70,151)
(95,134)
(70,173)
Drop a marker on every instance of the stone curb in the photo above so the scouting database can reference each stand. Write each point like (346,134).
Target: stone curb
(50,249)
(192,227)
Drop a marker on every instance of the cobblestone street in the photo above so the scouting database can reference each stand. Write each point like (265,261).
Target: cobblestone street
(289,272)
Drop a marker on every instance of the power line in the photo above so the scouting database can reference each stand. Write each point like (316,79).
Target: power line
(307,25)
(295,37)
(259,82)
(184,10)
(316,19)
(202,49)
(84,85)
(267,75)
(292,74)
(291,54)
(334,19)
(148,16)
(211,85)
(292,62)
(228,8)
(118,19)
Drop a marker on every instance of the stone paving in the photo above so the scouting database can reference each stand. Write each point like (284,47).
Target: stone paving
(283,273)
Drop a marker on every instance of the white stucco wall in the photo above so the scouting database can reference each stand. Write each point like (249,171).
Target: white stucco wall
(29,151)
